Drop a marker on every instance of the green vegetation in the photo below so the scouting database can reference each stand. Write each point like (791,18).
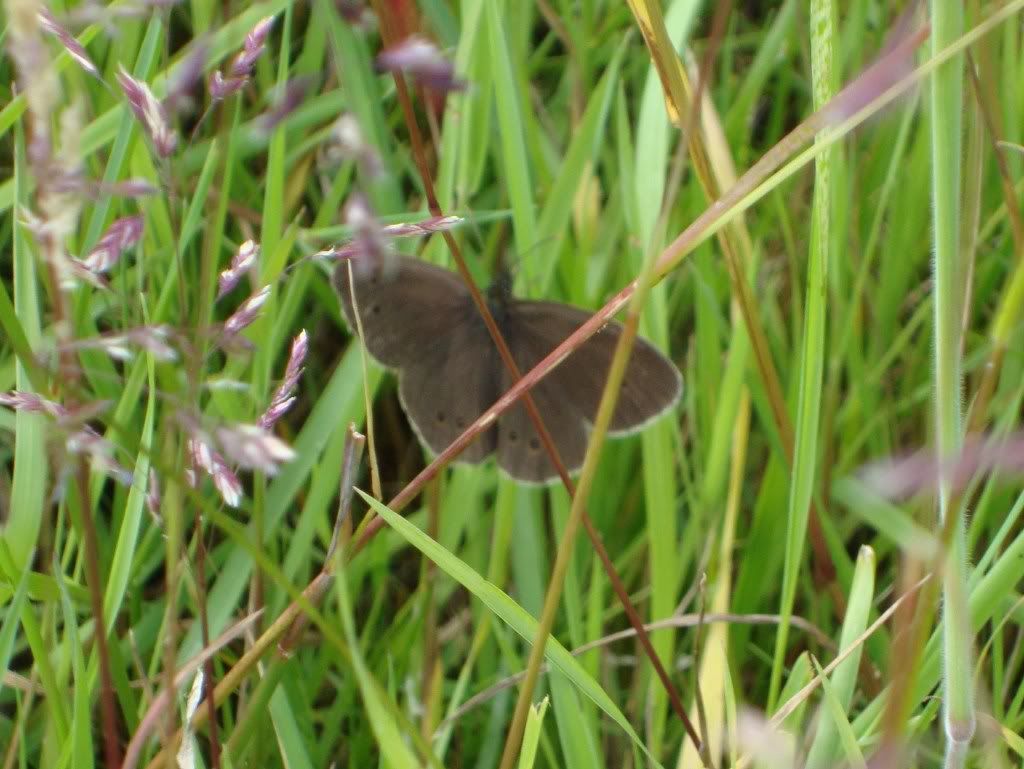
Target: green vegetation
(836,272)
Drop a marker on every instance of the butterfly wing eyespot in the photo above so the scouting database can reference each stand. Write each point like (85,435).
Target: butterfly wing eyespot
(520,453)
(447,387)
(519,448)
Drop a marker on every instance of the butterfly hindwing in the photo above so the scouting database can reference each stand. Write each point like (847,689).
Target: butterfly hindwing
(520,451)
(651,384)
(449,385)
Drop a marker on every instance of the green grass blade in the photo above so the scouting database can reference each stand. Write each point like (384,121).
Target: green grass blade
(79,747)
(852,754)
(531,736)
(9,625)
(946,105)
(509,612)
(393,749)
(581,153)
(812,356)
(516,162)
(125,549)
(840,688)
(31,469)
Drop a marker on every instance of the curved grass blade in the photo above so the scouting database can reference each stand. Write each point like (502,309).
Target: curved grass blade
(514,615)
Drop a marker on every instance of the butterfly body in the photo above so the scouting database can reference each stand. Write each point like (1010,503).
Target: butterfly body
(420,320)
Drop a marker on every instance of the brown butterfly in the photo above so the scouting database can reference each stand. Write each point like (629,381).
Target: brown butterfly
(420,321)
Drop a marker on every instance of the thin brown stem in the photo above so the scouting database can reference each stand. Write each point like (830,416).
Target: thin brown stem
(849,101)
(577,512)
(69,376)
(698,644)
(204,621)
(111,741)
(354,445)
(546,440)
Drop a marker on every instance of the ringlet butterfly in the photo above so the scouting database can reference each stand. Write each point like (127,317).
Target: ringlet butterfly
(420,320)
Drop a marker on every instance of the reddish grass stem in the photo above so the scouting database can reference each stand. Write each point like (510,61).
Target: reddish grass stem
(419,155)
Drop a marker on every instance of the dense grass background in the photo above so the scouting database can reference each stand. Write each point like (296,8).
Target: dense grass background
(892,242)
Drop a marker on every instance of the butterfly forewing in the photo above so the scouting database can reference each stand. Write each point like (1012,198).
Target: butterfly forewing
(419,319)
(404,304)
